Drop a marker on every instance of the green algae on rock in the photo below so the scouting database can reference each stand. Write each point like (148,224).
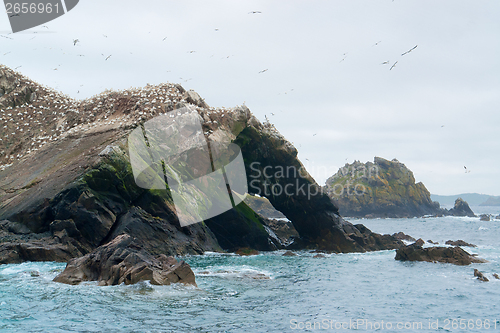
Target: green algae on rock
(380,189)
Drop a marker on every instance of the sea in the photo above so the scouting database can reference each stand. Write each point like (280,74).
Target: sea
(269,292)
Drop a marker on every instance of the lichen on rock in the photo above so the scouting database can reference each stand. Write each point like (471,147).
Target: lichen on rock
(380,189)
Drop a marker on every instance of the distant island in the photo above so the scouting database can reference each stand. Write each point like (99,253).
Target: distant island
(474,199)
(385,188)
(492,201)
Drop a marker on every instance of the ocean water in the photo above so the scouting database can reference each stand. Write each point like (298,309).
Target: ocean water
(361,292)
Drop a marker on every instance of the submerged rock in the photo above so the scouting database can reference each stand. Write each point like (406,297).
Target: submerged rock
(247,252)
(289,254)
(459,243)
(123,261)
(495,275)
(452,255)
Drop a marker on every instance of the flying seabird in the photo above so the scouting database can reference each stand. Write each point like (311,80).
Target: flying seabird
(377,43)
(108,57)
(393,65)
(75,41)
(262,71)
(413,48)
(164,39)
(255,12)
(315,134)
(272,114)
(385,62)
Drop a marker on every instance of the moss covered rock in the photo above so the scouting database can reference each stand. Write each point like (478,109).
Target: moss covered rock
(380,189)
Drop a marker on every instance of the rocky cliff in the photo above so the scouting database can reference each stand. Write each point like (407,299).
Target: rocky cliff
(380,189)
(67,186)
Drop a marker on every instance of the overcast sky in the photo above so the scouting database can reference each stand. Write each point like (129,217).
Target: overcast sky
(437,110)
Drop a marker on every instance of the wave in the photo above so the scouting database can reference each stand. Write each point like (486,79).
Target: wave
(232,272)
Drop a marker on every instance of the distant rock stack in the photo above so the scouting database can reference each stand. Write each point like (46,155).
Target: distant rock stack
(461,208)
(380,189)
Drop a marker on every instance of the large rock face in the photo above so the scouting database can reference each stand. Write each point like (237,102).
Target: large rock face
(65,173)
(124,261)
(380,189)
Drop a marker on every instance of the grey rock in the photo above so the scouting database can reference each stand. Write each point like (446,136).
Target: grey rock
(452,255)
(480,276)
(484,217)
(124,261)
(459,243)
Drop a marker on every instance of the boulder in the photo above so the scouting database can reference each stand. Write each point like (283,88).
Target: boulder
(452,255)
(123,261)
(480,276)
(20,247)
(60,248)
(484,217)
(371,241)
(14,227)
(497,217)
(431,242)
(163,235)
(419,242)
(289,254)
(461,208)
(402,236)
(459,243)
(319,255)
(68,225)
(495,275)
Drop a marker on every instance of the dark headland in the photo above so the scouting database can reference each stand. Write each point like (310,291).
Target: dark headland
(67,188)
